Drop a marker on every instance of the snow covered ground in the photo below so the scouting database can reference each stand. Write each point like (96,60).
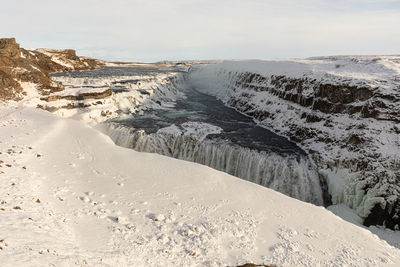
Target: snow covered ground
(69,196)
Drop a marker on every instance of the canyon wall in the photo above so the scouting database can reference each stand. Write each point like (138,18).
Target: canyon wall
(344,111)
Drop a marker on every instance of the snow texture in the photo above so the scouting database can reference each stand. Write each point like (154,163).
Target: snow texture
(70,196)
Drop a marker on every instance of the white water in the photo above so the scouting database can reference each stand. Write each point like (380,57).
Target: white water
(296,177)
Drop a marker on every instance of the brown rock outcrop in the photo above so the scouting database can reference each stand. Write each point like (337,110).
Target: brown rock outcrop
(9,88)
(83,96)
(9,48)
(19,65)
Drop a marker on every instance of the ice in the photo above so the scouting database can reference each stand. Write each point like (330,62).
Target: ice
(197,130)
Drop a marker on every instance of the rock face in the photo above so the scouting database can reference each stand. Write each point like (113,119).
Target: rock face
(327,98)
(80,97)
(377,171)
(9,48)
(68,59)
(18,65)
(9,52)
(344,111)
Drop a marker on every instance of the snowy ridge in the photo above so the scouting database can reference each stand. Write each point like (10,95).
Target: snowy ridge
(343,110)
(295,177)
(68,59)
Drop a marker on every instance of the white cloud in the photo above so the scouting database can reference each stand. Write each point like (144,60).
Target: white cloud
(155,29)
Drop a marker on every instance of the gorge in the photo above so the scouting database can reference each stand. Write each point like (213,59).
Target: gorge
(334,118)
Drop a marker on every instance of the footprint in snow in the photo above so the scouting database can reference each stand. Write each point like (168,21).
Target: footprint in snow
(85,199)
(119,219)
(135,211)
(100,214)
(156,217)
(112,218)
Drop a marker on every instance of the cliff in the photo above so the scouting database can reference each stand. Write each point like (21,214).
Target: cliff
(343,110)
(19,66)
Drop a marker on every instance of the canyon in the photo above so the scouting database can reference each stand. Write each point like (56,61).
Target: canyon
(343,111)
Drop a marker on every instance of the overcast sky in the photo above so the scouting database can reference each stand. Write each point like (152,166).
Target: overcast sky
(152,30)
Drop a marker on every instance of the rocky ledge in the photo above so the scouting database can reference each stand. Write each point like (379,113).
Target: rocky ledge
(79,97)
(18,66)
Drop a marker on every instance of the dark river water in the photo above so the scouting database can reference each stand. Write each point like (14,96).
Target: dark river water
(238,129)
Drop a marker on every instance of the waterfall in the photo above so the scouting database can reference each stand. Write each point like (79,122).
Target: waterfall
(293,175)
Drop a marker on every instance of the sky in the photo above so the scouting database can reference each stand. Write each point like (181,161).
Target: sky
(155,30)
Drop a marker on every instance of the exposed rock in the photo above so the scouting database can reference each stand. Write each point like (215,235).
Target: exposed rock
(72,105)
(9,48)
(9,88)
(83,96)
(19,65)
(327,98)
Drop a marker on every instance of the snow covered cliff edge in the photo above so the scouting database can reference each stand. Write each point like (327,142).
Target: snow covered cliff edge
(345,111)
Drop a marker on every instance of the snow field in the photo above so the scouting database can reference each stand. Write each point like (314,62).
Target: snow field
(103,205)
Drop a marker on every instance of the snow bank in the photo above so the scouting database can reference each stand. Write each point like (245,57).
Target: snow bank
(71,197)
